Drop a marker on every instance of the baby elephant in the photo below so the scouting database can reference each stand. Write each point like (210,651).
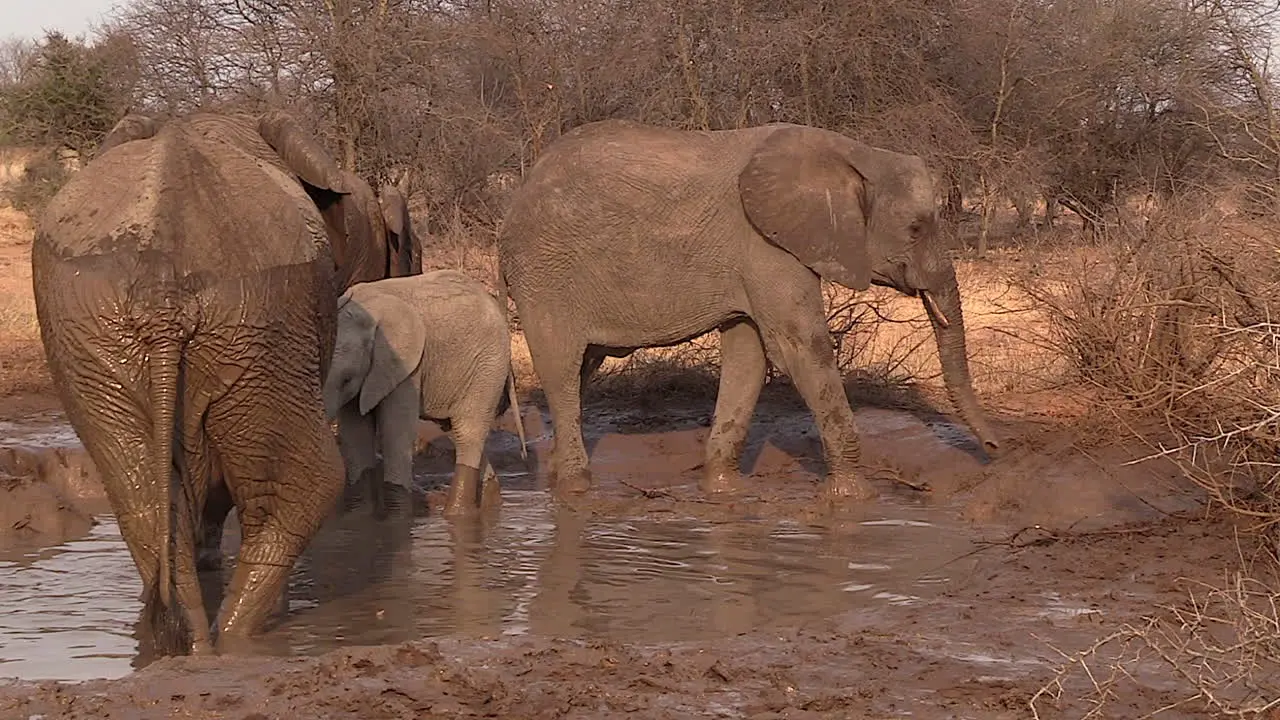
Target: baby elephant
(433,346)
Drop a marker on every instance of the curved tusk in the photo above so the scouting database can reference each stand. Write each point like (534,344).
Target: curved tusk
(932,306)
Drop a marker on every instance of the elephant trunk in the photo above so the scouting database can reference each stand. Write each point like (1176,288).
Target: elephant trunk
(943,307)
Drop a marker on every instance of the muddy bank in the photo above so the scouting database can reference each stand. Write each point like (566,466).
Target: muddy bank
(944,659)
(34,514)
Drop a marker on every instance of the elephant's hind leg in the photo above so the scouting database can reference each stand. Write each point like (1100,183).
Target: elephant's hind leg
(281,462)
(115,431)
(742,373)
(468,433)
(281,503)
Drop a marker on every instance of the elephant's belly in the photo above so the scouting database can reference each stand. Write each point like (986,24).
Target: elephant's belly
(661,316)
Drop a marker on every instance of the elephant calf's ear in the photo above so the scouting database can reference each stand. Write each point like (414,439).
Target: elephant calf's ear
(803,195)
(399,339)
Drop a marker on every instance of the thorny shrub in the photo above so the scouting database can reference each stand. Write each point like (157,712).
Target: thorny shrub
(1176,319)
(45,174)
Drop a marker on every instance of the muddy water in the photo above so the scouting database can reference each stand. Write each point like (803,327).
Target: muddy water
(69,611)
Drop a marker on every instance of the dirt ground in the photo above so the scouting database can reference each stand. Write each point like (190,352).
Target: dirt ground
(1064,518)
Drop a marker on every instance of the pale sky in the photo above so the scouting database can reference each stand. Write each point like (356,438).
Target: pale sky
(30,18)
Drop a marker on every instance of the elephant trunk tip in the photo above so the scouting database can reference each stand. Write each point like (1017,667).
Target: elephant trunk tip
(990,441)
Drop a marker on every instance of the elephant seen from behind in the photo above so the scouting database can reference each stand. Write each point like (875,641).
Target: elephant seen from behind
(434,346)
(186,292)
(625,235)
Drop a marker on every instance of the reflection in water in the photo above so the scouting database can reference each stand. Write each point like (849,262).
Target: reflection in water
(535,568)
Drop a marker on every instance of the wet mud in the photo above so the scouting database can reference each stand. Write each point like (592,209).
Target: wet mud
(942,598)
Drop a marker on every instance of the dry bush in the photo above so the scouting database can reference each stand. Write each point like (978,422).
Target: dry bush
(1176,321)
(44,175)
(1217,653)
(1174,324)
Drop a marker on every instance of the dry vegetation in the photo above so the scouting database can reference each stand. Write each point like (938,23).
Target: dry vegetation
(1109,171)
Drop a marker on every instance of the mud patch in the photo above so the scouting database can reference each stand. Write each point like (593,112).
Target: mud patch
(34,514)
(646,599)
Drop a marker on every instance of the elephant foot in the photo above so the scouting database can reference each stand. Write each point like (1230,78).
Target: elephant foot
(237,644)
(572,482)
(842,488)
(399,503)
(463,500)
(490,492)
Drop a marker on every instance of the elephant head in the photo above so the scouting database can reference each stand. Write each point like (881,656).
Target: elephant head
(405,250)
(858,215)
(380,343)
(371,236)
(129,128)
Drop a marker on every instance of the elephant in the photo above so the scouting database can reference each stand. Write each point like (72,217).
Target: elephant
(372,238)
(372,235)
(626,235)
(434,346)
(186,295)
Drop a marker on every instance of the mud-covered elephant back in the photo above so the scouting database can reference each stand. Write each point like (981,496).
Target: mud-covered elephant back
(165,192)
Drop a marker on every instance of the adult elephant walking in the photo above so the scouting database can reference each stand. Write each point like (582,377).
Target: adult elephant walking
(625,235)
(186,294)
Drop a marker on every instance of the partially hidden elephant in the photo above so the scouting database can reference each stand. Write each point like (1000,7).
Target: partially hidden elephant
(625,235)
(186,294)
(434,346)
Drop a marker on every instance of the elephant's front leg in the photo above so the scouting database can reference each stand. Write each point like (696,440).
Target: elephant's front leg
(397,418)
(797,340)
(810,362)
(357,441)
(742,373)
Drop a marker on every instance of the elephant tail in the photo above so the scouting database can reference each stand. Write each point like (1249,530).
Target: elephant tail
(511,373)
(167,617)
(515,409)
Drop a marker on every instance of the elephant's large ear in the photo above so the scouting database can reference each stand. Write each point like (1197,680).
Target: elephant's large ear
(301,153)
(399,340)
(131,127)
(801,192)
